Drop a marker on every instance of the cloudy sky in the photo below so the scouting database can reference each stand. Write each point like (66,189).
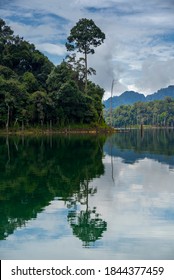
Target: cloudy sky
(138,53)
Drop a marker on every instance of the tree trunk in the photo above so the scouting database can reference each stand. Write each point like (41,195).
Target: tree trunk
(86,72)
(22,125)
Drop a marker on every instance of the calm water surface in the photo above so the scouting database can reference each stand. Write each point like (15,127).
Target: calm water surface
(87,197)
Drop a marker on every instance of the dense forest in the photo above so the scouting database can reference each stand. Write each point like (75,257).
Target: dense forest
(35,93)
(155,113)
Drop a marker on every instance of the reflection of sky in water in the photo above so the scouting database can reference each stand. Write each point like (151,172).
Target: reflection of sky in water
(137,204)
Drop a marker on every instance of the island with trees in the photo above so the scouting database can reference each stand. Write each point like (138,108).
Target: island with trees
(157,113)
(34,93)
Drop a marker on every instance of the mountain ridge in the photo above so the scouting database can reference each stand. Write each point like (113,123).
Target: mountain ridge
(131,97)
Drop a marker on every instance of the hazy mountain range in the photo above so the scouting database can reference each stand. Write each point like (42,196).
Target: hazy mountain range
(130,97)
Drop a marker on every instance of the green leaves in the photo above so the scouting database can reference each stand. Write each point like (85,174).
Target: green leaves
(156,113)
(34,92)
(84,37)
(31,83)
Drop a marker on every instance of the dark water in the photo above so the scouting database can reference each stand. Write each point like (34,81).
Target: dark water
(87,197)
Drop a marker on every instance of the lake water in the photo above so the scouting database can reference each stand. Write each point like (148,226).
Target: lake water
(87,197)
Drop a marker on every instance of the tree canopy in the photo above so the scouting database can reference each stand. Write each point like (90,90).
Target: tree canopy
(34,92)
(84,37)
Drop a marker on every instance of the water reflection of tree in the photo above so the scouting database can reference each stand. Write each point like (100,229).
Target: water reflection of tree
(39,170)
(86,224)
(159,141)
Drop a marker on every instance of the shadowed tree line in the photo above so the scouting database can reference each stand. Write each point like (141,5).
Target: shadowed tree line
(159,113)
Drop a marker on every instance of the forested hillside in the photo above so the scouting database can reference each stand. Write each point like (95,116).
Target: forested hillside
(157,113)
(34,92)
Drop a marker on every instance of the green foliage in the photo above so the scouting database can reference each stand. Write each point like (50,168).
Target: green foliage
(33,92)
(157,113)
(13,97)
(7,73)
(58,76)
(84,37)
(30,82)
(39,101)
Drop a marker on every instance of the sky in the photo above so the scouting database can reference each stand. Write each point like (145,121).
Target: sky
(137,54)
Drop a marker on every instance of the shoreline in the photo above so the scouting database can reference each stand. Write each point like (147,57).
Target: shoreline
(67,131)
(63,131)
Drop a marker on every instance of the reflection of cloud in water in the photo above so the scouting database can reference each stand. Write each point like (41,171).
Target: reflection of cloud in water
(147,173)
(138,207)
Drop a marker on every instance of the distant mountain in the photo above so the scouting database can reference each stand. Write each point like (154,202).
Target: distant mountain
(130,97)
(161,94)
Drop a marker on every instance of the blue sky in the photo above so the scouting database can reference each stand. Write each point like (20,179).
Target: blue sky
(138,52)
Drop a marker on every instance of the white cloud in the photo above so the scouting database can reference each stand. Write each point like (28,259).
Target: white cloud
(156,74)
(138,34)
(52,48)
